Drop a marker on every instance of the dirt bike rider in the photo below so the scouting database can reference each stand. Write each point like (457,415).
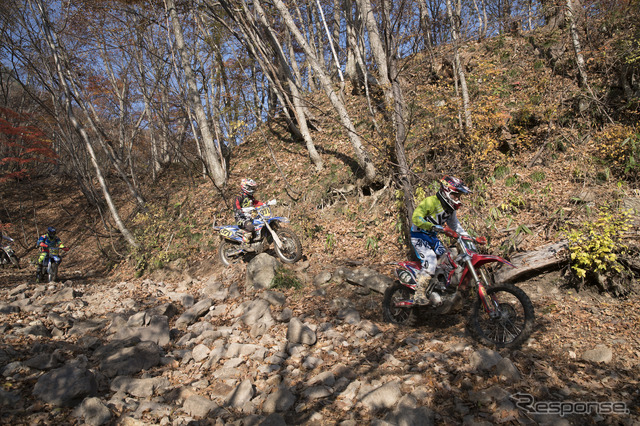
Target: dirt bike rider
(428,219)
(246,199)
(50,239)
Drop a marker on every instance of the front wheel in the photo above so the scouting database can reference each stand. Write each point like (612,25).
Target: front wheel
(15,261)
(511,321)
(53,272)
(291,250)
(228,252)
(395,306)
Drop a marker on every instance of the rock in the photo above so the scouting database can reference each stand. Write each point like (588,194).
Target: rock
(192,314)
(507,369)
(484,359)
(215,290)
(241,394)
(9,399)
(322,278)
(420,416)
(600,353)
(199,406)
(255,311)
(153,329)
(127,358)
(280,400)
(93,411)
(274,298)
(66,386)
(141,388)
(261,271)
(383,397)
(300,333)
(368,278)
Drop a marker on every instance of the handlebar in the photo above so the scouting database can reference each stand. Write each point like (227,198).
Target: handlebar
(268,203)
(47,246)
(453,234)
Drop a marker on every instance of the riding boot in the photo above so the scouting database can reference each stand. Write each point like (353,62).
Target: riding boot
(422,281)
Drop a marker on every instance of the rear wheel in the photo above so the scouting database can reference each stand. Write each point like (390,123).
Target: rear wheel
(229,252)
(393,305)
(291,250)
(511,321)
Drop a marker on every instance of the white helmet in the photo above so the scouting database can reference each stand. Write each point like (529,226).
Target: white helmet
(248,186)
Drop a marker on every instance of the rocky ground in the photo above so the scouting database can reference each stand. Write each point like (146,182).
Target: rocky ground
(214,347)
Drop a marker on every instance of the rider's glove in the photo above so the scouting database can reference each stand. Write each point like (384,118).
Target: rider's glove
(271,202)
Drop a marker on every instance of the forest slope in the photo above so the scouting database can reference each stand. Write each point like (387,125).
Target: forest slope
(539,165)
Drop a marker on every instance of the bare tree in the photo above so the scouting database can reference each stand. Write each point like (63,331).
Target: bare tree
(454,20)
(575,39)
(58,57)
(212,160)
(361,154)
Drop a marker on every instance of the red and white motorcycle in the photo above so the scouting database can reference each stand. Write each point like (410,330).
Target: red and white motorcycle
(501,316)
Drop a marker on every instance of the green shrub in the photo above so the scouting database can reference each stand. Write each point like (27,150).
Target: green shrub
(330,243)
(594,245)
(285,278)
(538,176)
(511,181)
(501,171)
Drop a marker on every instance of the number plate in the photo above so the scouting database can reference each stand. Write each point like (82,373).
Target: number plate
(226,232)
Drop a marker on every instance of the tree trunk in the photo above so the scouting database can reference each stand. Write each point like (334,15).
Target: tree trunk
(455,34)
(293,87)
(210,153)
(46,27)
(575,39)
(377,49)
(361,154)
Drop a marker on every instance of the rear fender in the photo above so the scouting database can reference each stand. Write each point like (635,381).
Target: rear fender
(406,272)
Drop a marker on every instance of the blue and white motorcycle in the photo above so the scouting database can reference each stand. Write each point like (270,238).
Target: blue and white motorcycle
(268,229)
(49,267)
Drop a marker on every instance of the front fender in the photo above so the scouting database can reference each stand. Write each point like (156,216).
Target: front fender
(278,220)
(482,259)
(479,260)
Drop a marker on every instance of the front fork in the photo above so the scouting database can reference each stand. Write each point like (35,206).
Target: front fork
(486,300)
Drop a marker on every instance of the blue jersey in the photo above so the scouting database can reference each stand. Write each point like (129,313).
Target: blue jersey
(50,242)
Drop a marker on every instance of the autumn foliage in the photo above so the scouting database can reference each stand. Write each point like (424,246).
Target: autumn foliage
(23,146)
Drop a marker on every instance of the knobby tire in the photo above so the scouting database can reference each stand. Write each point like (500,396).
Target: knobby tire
(516,324)
(398,315)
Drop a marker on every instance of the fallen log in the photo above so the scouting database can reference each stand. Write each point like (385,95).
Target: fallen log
(546,258)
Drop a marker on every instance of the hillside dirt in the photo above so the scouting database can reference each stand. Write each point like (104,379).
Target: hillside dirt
(534,179)
(569,323)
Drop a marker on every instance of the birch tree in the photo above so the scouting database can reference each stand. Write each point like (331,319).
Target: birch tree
(575,39)
(58,57)
(361,154)
(454,20)
(212,161)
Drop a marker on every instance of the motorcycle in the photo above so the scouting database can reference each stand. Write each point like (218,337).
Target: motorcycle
(501,316)
(268,229)
(8,256)
(50,263)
